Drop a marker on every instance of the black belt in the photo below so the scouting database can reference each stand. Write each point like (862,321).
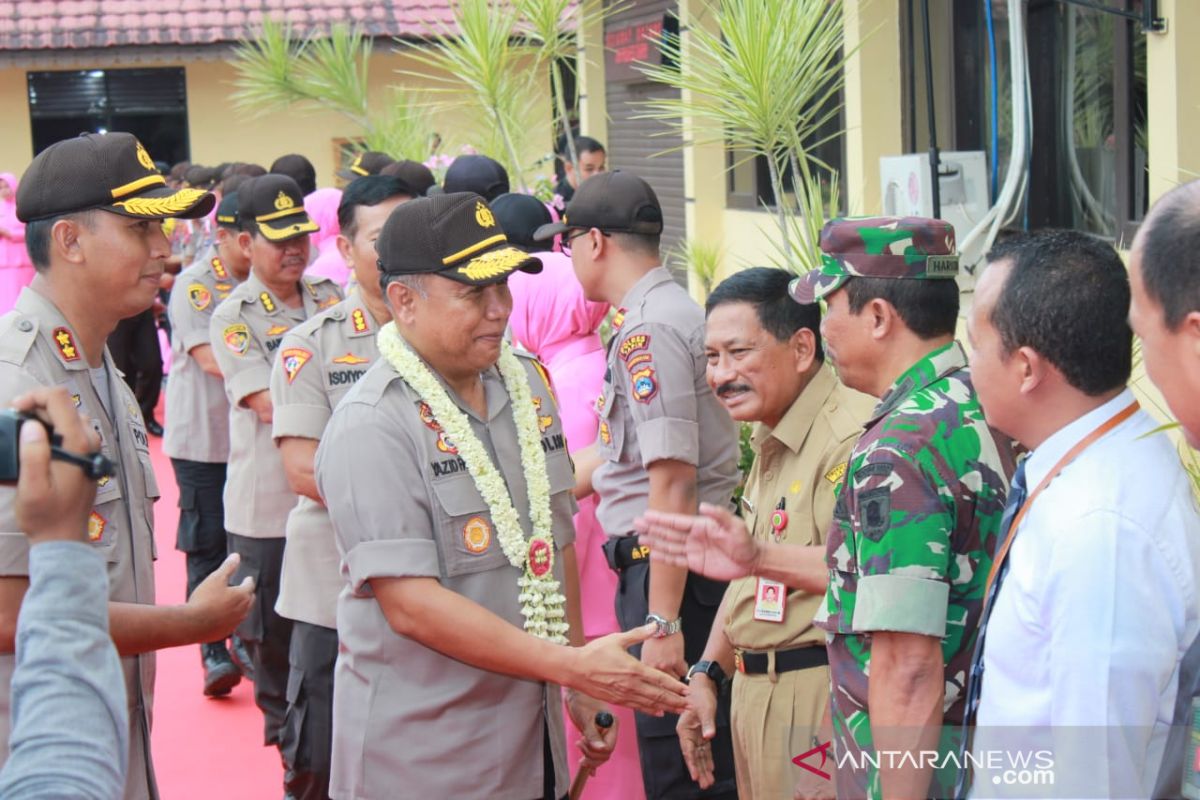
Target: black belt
(785,660)
(624,551)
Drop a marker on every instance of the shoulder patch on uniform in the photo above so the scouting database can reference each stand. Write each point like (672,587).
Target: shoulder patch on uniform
(96,526)
(638,360)
(644,384)
(351,359)
(358,320)
(875,512)
(836,474)
(199,296)
(267,303)
(65,341)
(219,269)
(293,360)
(237,338)
(632,344)
(880,469)
(544,374)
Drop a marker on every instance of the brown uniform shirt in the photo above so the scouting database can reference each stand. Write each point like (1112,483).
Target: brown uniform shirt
(407,720)
(197,426)
(245,333)
(656,405)
(38,348)
(319,362)
(799,465)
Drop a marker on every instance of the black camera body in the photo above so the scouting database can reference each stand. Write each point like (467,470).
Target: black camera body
(10,444)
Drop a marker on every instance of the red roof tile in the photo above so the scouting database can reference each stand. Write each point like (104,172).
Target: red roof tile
(45,24)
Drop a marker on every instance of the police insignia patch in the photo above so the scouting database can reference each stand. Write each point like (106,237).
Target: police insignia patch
(350,358)
(237,338)
(836,474)
(544,420)
(644,385)
(875,512)
(66,344)
(636,361)
(477,535)
(96,526)
(199,296)
(358,320)
(267,303)
(443,444)
(293,359)
(639,341)
(605,433)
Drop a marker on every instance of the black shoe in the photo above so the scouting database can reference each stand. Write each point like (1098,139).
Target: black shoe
(241,657)
(153,428)
(220,673)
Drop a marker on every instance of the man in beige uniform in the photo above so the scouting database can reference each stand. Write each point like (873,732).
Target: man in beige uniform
(246,332)
(93,207)
(197,422)
(440,693)
(319,362)
(766,364)
(664,443)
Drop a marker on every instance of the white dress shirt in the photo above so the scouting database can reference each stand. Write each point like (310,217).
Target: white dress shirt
(1100,602)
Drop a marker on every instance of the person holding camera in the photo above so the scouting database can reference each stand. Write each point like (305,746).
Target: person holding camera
(93,208)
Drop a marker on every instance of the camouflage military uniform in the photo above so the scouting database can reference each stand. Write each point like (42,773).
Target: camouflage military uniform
(911,543)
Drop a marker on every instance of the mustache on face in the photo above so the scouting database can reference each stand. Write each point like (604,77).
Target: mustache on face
(730,388)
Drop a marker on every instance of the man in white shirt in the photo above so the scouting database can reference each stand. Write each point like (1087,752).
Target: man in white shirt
(1092,599)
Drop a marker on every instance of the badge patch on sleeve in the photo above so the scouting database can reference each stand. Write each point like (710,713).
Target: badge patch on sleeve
(96,526)
(637,361)
(293,359)
(477,535)
(631,345)
(66,344)
(237,338)
(836,474)
(199,296)
(644,385)
(875,512)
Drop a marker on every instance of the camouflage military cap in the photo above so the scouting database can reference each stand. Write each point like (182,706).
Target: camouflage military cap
(879,247)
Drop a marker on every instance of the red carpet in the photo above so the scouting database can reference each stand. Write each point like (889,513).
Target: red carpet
(203,748)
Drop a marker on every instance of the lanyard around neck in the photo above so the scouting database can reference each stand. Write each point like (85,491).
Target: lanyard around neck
(1071,455)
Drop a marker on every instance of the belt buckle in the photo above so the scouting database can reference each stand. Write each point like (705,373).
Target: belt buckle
(738,662)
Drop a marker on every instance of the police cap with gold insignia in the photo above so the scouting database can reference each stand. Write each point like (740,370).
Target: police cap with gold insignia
(368,162)
(614,202)
(109,171)
(274,206)
(452,235)
(900,248)
(227,211)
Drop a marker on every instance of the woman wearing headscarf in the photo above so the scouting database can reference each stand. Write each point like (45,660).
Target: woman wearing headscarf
(322,208)
(16,270)
(553,320)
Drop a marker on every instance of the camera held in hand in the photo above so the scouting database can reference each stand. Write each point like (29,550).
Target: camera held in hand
(95,465)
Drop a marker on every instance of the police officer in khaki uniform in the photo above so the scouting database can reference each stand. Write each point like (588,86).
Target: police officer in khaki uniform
(766,364)
(319,361)
(197,422)
(93,207)
(665,443)
(439,690)
(245,332)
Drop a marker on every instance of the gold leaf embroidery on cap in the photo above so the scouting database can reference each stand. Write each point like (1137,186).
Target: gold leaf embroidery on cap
(177,203)
(493,264)
(144,158)
(483,215)
(283,202)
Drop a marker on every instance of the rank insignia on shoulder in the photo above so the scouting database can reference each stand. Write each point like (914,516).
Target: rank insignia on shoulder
(96,526)
(66,344)
(544,420)
(605,433)
(219,269)
(545,375)
(644,385)
(477,535)
(836,474)
(618,320)
(358,320)
(351,359)
(267,303)
(277,330)
(293,359)
(237,338)
(199,296)
(632,344)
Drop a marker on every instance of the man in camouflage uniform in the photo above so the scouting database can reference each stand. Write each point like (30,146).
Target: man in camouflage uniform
(917,518)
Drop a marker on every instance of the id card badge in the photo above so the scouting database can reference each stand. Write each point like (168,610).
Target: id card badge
(770,600)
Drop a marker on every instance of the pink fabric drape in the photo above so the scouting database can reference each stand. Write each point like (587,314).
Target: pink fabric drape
(322,206)
(16,270)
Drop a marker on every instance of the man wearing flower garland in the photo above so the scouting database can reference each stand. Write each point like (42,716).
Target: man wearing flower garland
(447,479)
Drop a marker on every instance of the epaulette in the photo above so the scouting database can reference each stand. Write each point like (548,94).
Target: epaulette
(17,336)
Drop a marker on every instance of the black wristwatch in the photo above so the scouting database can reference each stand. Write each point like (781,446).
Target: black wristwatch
(710,668)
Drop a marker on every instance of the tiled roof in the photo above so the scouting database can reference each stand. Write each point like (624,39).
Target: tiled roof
(72,24)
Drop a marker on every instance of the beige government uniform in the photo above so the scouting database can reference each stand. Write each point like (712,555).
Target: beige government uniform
(798,467)
(409,721)
(38,348)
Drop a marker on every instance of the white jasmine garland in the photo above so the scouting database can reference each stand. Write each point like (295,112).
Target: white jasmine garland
(542,604)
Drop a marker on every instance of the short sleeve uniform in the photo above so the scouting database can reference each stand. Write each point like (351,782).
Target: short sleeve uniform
(404,505)
(319,362)
(245,333)
(38,348)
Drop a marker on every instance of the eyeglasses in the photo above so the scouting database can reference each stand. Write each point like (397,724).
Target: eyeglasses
(570,237)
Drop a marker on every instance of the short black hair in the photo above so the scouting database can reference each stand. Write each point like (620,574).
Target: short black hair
(37,236)
(648,244)
(583,144)
(369,190)
(928,307)
(1169,248)
(766,288)
(1067,298)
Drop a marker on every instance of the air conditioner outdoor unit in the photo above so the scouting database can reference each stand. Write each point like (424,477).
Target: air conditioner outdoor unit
(907,187)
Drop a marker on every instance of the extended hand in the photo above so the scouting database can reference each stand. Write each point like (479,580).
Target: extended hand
(715,544)
(665,654)
(696,728)
(596,743)
(217,608)
(604,670)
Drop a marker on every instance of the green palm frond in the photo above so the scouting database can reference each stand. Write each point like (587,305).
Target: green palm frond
(700,258)
(266,81)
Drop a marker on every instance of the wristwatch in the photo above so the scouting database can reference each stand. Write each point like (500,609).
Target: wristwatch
(665,627)
(710,668)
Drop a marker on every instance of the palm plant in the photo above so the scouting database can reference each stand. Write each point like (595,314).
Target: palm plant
(277,70)
(763,79)
(702,259)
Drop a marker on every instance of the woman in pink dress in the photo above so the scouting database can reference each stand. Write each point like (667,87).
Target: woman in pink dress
(553,320)
(16,270)
(322,206)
